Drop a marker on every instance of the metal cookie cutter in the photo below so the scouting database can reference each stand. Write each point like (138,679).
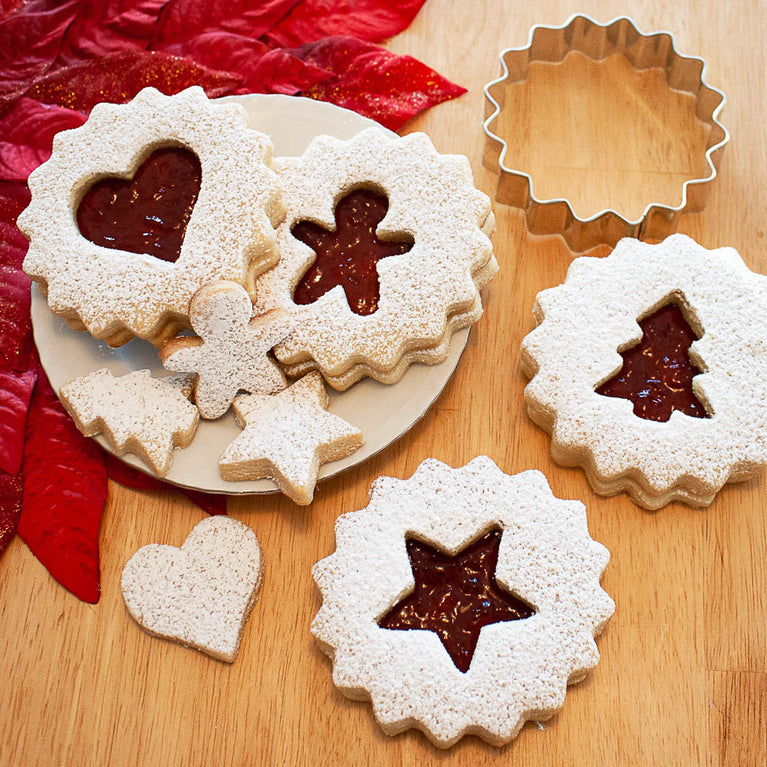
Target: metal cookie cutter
(583,34)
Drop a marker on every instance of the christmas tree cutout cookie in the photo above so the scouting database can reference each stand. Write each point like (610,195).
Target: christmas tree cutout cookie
(135,413)
(519,669)
(231,350)
(593,318)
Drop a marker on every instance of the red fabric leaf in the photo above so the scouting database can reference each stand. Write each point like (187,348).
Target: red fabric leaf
(26,136)
(109,26)
(30,41)
(11,493)
(15,325)
(374,82)
(118,77)
(371,20)
(127,476)
(15,393)
(65,489)
(264,69)
(182,20)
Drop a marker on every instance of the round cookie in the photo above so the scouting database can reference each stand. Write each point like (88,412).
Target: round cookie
(425,292)
(115,293)
(518,668)
(590,322)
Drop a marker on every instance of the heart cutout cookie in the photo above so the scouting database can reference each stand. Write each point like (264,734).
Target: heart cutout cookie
(200,594)
(147,213)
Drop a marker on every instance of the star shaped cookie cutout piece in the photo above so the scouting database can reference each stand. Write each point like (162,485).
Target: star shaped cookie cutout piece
(135,413)
(231,352)
(287,437)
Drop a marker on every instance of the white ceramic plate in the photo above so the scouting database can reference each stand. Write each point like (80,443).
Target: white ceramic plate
(384,413)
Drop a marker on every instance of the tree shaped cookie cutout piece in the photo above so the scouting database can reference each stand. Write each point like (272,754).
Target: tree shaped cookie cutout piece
(135,413)
(657,373)
(348,255)
(231,353)
(456,596)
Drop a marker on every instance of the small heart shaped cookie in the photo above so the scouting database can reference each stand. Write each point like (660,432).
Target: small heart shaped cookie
(200,594)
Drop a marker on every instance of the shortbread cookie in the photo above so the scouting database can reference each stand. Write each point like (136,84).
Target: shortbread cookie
(201,594)
(424,254)
(136,413)
(462,601)
(231,352)
(287,437)
(143,204)
(698,417)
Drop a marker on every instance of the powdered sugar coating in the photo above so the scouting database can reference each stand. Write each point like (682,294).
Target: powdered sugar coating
(230,235)
(594,313)
(200,594)
(431,199)
(520,669)
(136,413)
(231,352)
(287,437)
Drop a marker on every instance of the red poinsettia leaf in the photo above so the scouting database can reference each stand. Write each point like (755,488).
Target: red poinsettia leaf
(182,20)
(374,82)
(118,77)
(109,26)
(371,20)
(11,494)
(9,6)
(127,476)
(26,136)
(15,393)
(264,69)
(15,325)
(65,489)
(30,41)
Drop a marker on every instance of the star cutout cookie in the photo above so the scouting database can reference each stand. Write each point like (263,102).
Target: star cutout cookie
(231,352)
(287,437)
(135,413)
(519,669)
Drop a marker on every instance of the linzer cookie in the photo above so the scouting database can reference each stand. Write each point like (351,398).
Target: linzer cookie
(647,369)
(383,251)
(135,413)
(287,437)
(462,601)
(231,351)
(201,594)
(143,204)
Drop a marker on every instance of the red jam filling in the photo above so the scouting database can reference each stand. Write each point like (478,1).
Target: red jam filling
(455,596)
(657,373)
(147,213)
(348,255)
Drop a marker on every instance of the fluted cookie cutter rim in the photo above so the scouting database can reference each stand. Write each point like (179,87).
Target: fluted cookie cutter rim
(643,51)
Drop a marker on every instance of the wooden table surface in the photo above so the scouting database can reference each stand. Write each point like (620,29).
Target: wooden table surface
(683,674)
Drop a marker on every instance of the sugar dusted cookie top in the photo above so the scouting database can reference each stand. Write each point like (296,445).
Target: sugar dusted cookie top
(231,352)
(136,413)
(519,669)
(587,321)
(201,594)
(114,293)
(287,437)
(433,211)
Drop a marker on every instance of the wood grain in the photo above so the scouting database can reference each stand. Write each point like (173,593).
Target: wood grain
(683,675)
